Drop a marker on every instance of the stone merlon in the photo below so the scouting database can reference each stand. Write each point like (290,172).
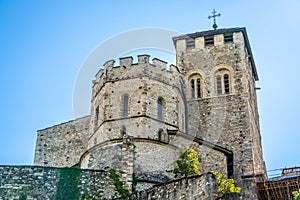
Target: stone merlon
(126,61)
(159,63)
(142,59)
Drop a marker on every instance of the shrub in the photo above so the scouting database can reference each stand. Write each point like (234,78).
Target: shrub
(296,195)
(226,186)
(187,165)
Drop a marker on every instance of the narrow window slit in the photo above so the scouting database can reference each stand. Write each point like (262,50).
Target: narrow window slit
(125,106)
(193,88)
(219,85)
(198,88)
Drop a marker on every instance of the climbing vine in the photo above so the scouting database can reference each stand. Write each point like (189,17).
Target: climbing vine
(134,182)
(226,185)
(187,165)
(67,185)
(23,196)
(119,185)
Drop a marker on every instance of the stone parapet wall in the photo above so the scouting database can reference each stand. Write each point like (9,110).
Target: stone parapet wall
(33,182)
(202,187)
(48,183)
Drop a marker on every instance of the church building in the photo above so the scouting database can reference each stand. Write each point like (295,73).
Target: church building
(144,114)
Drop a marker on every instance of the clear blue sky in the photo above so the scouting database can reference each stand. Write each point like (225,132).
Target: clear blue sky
(44,43)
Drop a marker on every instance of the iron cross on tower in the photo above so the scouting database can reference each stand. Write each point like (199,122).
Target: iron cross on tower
(214,15)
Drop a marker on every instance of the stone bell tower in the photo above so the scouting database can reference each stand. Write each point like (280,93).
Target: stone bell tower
(220,74)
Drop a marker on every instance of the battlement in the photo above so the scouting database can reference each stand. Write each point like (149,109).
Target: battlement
(157,69)
(127,62)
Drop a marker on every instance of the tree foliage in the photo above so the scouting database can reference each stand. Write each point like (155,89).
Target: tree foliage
(187,165)
(226,185)
(296,195)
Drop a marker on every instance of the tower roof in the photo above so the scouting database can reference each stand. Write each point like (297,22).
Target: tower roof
(223,31)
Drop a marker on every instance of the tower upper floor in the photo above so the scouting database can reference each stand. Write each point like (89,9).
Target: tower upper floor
(141,99)
(216,62)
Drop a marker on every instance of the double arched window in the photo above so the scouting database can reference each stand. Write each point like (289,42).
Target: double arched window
(222,82)
(195,86)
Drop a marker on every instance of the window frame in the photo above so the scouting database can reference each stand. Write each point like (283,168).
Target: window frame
(196,86)
(222,82)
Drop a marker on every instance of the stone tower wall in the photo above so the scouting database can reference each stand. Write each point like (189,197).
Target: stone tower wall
(230,120)
(62,145)
(143,83)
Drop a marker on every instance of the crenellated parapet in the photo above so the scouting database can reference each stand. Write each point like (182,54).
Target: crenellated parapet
(157,69)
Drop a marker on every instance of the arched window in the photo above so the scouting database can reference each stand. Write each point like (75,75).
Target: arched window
(222,82)
(159,135)
(159,109)
(123,131)
(195,86)
(96,116)
(125,106)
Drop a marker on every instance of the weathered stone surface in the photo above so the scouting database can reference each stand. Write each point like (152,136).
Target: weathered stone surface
(62,145)
(200,187)
(229,120)
(42,183)
(210,95)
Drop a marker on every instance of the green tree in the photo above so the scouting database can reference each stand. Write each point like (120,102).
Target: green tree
(225,185)
(187,165)
(296,195)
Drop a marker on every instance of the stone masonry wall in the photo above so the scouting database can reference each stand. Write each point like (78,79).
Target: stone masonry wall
(117,154)
(143,83)
(224,121)
(62,145)
(200,187)
(230,120)
(31,182)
